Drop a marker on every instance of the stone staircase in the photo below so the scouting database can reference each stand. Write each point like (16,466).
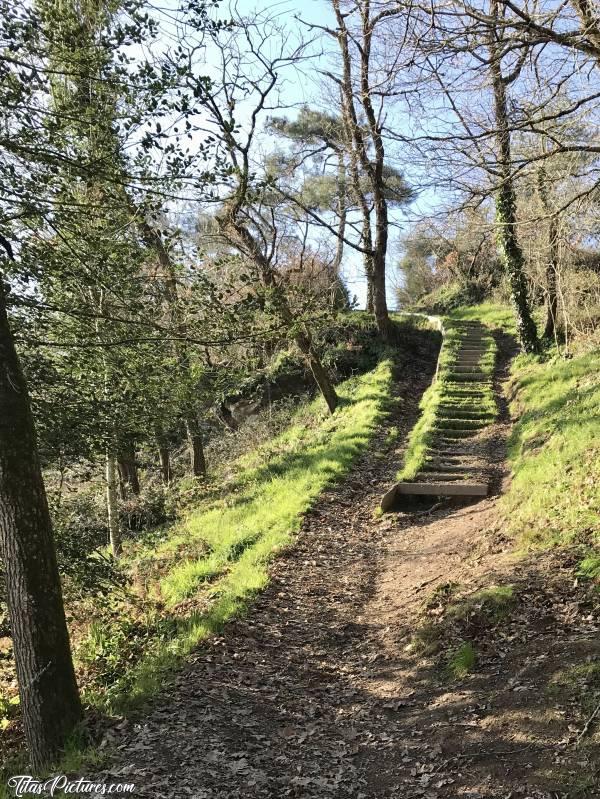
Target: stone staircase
(463,405)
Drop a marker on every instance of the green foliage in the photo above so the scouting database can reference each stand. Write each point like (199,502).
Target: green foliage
(554,450)
(9,710)
(447,298)
(462,661)
(487,606)
(81,535)
(589,567)
(216,560)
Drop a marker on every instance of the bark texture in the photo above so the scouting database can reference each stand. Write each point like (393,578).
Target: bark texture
(195,447)
(509,248)
(49,698)
(128,470)
(552,263)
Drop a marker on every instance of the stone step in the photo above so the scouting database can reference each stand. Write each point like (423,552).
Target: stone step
(466,377)
(470,406)
(443,477)
(465,392)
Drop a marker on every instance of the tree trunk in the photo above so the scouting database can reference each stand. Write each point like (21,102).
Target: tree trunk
(590,19)
(227,417)
(243,239)
(551,280)
(196,447)
(553,253)
(342,198)
(372,168)
(165,464)
(128,470)
(318,371)
(112,510)
(509,248)
(163,455)
(380,309)
(50,703)
(370,304)
(122,482)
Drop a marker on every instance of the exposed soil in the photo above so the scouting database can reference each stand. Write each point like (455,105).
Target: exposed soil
(320,690)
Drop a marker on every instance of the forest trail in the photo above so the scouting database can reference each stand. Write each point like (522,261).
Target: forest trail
(320,692)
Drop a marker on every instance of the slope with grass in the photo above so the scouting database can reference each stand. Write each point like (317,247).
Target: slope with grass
(208,568)
(554,451)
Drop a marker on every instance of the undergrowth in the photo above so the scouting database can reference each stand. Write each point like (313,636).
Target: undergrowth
(212,565)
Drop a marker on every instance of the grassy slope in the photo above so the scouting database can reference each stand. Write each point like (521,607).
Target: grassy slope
(554,448)
(217,560)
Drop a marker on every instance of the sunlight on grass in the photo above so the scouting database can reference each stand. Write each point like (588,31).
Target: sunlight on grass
(554,451)
(493,315)
(425,430)
(238,534)
(462,661)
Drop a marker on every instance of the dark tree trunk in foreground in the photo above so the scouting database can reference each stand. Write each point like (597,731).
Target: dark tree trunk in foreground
(196,447)
(49,698)
(509,248)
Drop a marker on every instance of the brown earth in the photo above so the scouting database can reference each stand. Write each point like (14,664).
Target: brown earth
(336,682)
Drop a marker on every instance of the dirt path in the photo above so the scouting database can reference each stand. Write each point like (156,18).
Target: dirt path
(320,691)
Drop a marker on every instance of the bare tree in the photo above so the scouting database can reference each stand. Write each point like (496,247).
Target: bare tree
(252,53)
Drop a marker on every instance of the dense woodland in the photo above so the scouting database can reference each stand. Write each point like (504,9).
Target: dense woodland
(184,192)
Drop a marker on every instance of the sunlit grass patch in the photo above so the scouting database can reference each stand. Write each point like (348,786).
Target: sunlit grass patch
(217,559)
(554,451)
(491,604)
(494,315)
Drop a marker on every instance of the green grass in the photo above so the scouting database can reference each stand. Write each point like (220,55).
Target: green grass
(462,661)
(554,451)
(461,616)
(432,417)
(236,535)
(489,604)
(494,315)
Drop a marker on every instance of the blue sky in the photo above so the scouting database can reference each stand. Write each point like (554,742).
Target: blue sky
(306,87)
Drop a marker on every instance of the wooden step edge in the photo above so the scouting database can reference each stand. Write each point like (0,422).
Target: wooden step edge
(442,489)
